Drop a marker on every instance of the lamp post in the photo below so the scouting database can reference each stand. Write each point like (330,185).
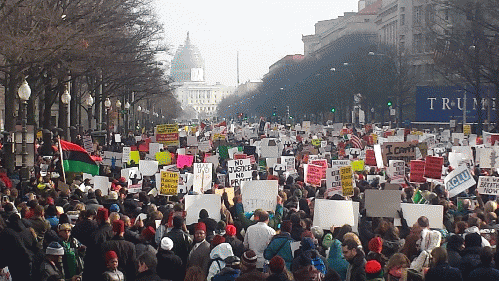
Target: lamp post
(127,107)
(65,99)
(139,110)
(24,92)
(89,101)
(118,108)
(107,104)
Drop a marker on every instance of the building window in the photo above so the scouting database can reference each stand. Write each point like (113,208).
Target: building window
(418,43)
(429,14)
(402,19)
(446,14)
(418,10)
(366,20)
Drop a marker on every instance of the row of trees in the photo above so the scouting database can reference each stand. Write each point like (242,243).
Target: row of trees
(105,49)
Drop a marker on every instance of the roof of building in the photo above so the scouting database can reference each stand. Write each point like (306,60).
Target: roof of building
(186,58)
(371,9)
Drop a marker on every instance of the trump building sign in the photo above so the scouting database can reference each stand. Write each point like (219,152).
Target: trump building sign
(441,104)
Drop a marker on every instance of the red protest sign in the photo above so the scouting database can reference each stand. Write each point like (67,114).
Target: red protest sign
(370,158)
(323,164)
(240,156)
(314,174)
(433,167)
(417,171)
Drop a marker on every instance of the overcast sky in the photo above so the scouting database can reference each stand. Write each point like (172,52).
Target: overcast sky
(262,31)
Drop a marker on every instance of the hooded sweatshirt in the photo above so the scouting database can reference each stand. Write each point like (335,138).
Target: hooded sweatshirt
(335,259)
(218,255)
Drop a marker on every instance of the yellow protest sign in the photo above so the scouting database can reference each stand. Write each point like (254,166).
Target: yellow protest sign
(167,134)
(467,129)
(316,142)
(346,180)
(169,183)
(218,137)
(358,165)
(163,157)
(375,138)
(135,156)
(230,193)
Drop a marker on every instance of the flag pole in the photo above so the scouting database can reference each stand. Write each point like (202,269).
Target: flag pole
(62,160)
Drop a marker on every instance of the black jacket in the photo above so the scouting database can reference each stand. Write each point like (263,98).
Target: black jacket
(181,244)
(169,266)
(236,244)
(484,273)
(147,275)
(470,261)
(126,255)
(443,272)
(454,257)
(357,267)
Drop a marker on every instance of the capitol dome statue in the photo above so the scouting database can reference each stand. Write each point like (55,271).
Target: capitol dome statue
(188,65)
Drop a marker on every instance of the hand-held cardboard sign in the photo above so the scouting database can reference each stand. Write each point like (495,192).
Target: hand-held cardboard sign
(184,161)
(346,180)
(202,177)
(433,167)
(382,203)
(488,185)
(397,171)
(314,174)
(458,181)
(169,183)
(328,213)
(259,195)
(417,171)
(333,182)
(398,151)
(239,171)
(195,203)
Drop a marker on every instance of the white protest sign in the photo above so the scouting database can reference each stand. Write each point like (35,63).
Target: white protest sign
(117,138)
(488,185)
(155,147)
(271,162)
(458,181)
(102,183)
(213,160)
(489,157)
(289,163)
(259,195)
(329,213)
(148,168)
(192,141)
(398,171)
(239,170)
(434,213)
(340,163)
(126,154)
(379,156)
(204,146)
(333,182)
(202,177)
(195,203)
(269,151)
(232,151)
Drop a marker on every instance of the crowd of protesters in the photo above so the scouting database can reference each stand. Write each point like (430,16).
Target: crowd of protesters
(48,232)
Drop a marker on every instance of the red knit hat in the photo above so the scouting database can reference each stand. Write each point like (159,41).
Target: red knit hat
(148,233)
(376,245)
(373,267)
(218,239)
(230,230)
(102,214)
(200,226)
(277,264)
(109,255)
(118,226)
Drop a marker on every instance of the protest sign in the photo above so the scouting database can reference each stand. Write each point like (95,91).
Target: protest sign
(358,166)
(169,183)
(467,129)
(382,203)
(167,134)
(135,179)
(148,168)
(488,157)
(488,185)
(433,167)
(328,213)
(340,163)
(417,171)
(213,159)
(155,147)
(314,174)
(333,182)
(405,151)
(379,156)
(195,203)
(229,191)
(102,183)
(204,146)
(239,171)
(289,163)
(370,158)
(163,157)
(346,180)
(261,194)
(269,151)
(434,213)
(184,161)
(135,157)
(192,141)
(88,144)
(125,158)
(202,177)
(458,181)
(323,164)
(398,171)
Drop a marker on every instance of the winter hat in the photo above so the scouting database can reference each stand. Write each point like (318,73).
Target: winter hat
(218,239)
(307,243)
(113,195)
(249,258)
(50,201)
(230,230)
(373,269)
(376,245)
(118,226)
(64,226)
(102,214)
(54,249)
(277,264)
(166,243)
(200,226)
(148,233)
(317,232)
(232,261)
(109,255)
(472,240)
(114,208)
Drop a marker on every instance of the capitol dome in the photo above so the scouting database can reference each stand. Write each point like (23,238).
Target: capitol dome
(187,65)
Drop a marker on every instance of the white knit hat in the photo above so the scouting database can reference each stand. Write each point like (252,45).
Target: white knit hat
(166,243)
(113,195)
(55,249)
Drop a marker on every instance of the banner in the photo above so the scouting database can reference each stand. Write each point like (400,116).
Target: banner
(261,194)
(239,171)
(195,203)
(167,134)
(417,171)
(433,167)
(202,177)
(458,181)
(314,174)
(382,203)
(488,185)
(333,182)
(346,180)
(169,183)
(405,151)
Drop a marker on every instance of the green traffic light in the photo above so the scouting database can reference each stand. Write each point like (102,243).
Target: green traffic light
(273,114)
(333,109)
(389,103)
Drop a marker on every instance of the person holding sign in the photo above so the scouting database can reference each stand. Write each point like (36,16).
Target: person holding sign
(273,222)
(258,237)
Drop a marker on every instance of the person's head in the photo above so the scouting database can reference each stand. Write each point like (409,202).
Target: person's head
(147,261)
(466,204)
(54,252)
(114,217)
(194,273)
(203,214)
(472,240)
(460,227)
(178,222)
(349,249)
(376,245)
(166,244)
(199,232)
(111,260)
(455,243)
(438,256)
(490,206)
(263,217)
(119,227)
(474,221)
(490,217)
(342,231)
(39,211)
(423,222)
(230,230)
(277,264)
(248,261)
(102,215)
(373,269)
(286,226)
(64,231)
(217,240)
(486,256)
(352,236)
(148,233)
(397,260)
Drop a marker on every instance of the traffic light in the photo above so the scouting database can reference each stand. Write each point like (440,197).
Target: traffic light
(333,110)
(389,103)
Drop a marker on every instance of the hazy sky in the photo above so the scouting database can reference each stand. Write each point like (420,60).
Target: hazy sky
(262,31)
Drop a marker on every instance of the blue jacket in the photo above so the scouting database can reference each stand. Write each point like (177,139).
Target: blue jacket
(336,261)
(227,274)
(280,245)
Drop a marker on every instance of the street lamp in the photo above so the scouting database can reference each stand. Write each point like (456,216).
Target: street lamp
(127,107)
(89,101)
(139,110)
(118,108)
(107,104)
(65,99)
(24,92)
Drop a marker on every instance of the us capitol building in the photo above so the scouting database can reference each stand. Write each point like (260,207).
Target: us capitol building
(197,98)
